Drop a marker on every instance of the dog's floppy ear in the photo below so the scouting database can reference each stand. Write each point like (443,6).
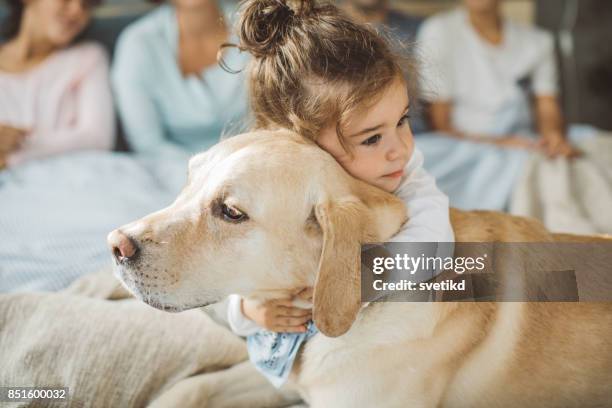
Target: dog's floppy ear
(371,215)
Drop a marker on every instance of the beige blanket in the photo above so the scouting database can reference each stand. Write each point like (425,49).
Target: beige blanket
(569,196)
(123,353)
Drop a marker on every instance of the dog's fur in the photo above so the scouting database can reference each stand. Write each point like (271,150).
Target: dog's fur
(306,221)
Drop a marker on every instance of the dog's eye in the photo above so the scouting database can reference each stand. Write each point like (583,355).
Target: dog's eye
(232,214)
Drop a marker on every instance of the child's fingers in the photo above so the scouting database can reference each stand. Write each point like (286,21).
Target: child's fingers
(292,312)
(289,329)
(280,302)
(290,321)
(285,307)
(306,294)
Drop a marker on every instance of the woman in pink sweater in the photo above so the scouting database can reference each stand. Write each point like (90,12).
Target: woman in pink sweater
(54,96)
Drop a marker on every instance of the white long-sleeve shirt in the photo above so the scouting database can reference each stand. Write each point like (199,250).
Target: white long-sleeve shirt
(428,221)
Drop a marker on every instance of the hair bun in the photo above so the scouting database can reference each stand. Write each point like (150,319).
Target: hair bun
(265,24)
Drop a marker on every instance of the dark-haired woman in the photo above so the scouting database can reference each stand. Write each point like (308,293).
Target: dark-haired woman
(173,97)
(54,96)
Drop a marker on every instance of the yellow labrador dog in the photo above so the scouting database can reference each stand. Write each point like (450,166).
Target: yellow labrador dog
(267,212)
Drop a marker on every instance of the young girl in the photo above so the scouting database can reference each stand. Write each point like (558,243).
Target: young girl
(338,83)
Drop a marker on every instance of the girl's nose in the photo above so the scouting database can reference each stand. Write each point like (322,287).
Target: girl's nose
(392,154)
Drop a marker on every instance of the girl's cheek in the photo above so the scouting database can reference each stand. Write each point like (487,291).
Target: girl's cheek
(409,140)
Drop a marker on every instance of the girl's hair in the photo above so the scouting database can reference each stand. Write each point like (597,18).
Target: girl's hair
(12,23)
(313,67)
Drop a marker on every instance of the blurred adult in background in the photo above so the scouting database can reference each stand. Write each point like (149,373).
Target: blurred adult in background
(484,75)
(173,97)
(54,95)
(400,25)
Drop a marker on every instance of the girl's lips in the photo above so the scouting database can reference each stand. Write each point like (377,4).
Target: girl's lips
(398,173)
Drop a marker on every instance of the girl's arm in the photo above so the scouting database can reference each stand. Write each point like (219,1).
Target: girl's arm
(428,216)
(279,315)
(95,123)
(238,322)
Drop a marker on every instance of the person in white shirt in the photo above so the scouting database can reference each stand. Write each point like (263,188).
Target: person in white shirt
(479,73)
(350,96)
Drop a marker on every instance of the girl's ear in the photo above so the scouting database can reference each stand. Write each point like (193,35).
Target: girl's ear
(371,215)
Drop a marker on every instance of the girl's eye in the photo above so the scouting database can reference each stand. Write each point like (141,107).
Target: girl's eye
(372,140)
(403,120)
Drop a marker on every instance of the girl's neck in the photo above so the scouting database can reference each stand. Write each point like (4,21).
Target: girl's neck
(488,24)
(200,21)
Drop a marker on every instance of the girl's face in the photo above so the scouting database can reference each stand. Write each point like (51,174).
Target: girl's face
(58,21)
(379,141)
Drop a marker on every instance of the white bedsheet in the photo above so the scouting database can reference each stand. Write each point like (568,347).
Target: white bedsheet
(55,213)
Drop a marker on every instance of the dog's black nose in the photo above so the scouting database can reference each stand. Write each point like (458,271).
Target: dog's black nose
(123,247)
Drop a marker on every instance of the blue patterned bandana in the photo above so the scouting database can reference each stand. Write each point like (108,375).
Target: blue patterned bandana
(273,353)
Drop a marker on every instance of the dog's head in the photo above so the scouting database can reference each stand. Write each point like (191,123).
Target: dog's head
(262,214)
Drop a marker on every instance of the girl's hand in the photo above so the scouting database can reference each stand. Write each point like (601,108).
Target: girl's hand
(279,315)
(554,145)
(305,294)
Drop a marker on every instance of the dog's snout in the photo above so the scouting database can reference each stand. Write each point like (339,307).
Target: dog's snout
(123,247)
